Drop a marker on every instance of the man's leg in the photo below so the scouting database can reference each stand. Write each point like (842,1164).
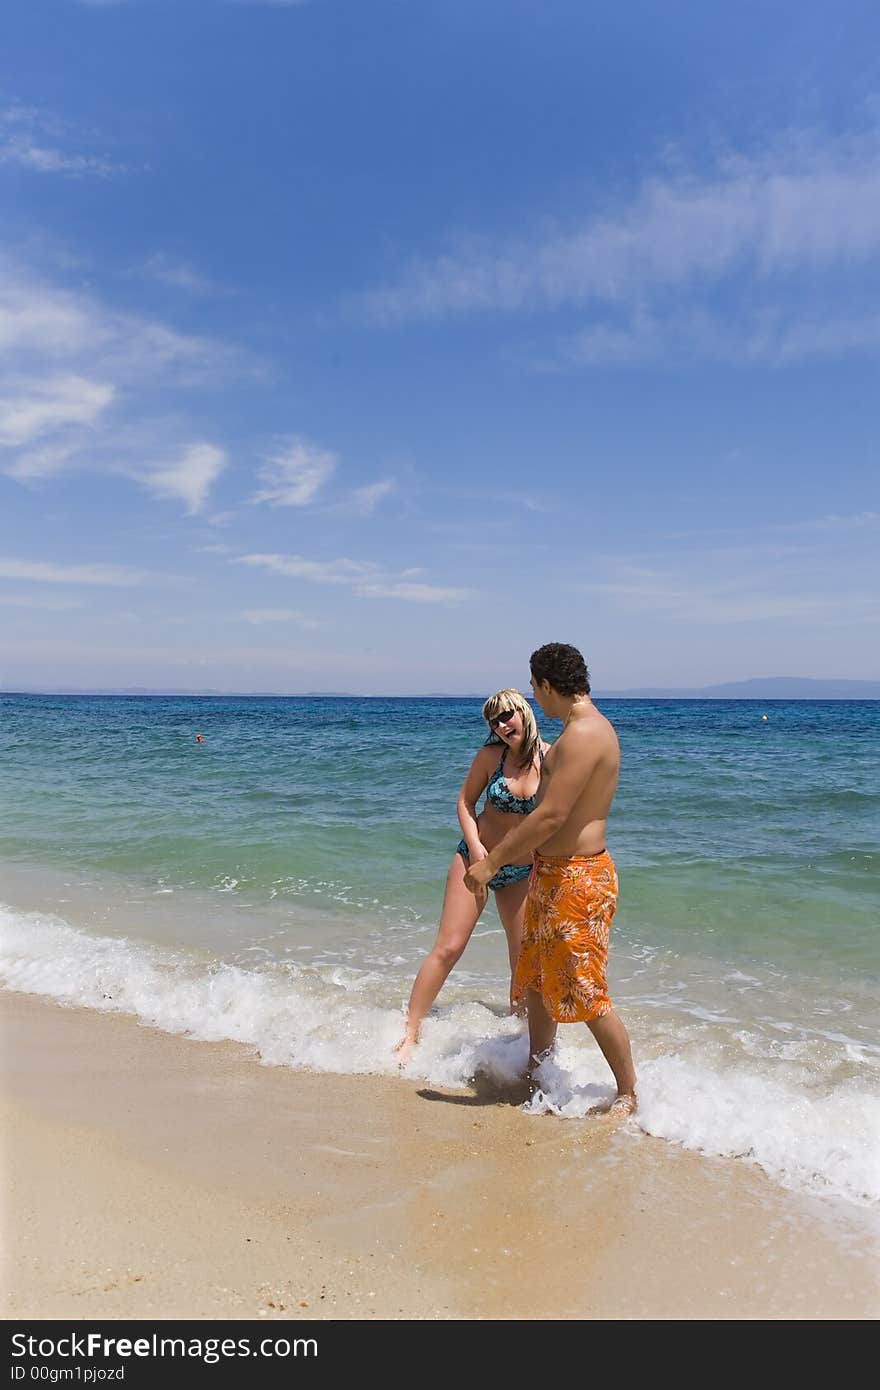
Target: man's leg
(613,1039)
(542,1033)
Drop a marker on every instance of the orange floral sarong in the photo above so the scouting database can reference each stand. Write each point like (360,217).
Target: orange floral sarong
(564,951)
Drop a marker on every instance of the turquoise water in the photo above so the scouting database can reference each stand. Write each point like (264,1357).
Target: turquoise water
(299,851)
(764,836)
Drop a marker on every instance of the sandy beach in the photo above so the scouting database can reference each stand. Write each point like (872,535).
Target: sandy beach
(149,1176)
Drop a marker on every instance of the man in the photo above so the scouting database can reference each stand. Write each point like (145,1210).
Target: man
(573,887)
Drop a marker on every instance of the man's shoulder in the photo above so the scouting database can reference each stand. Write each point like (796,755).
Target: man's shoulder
(606,727)
(591,721)
(590,732)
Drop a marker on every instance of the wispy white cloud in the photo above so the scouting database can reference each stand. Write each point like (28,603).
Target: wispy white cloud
(44,323)
(365,500)
(33,139)
(775,214)
(191,477)
(45,460)
(317,571)
(34,408)
(77,379)
(222,518)
(48,604)
(714,600)
(28,155)
(771,336)
(648,273)
(46,572)
(178,274)
(833,523)
(274,666)
(818,572)
(413,593)
(40,319)
(779,538)
(294,474)
(259,616)
(268,4)
(365,579)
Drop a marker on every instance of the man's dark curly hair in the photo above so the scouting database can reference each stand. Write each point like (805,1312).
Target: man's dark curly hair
(563,666)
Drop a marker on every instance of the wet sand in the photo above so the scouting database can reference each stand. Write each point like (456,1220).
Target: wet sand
(149,1176)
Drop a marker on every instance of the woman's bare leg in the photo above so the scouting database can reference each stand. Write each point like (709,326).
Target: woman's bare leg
(511,905)
(460,914)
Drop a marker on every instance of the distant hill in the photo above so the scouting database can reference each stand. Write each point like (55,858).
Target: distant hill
(758,688)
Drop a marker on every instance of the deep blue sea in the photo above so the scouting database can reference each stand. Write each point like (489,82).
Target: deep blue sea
(279,881)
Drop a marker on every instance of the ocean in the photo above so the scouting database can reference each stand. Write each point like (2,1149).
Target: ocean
(279,881)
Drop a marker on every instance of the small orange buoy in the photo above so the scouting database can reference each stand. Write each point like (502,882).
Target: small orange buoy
(198,738)
(763,718)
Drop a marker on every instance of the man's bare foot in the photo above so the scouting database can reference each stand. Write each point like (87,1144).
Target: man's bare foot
(623,1104)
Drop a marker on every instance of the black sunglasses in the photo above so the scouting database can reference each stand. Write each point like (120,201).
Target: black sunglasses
(501,718)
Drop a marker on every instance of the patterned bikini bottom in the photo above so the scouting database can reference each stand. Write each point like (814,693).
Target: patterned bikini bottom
(509,873)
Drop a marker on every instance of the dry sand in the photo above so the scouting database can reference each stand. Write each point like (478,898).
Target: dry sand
(149,1176)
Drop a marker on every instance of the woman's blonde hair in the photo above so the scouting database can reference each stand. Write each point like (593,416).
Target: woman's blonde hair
(512,699)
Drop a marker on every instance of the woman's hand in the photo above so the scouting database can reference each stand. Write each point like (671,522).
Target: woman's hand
(476,880)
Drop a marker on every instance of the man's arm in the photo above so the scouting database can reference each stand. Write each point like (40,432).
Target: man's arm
(573,764)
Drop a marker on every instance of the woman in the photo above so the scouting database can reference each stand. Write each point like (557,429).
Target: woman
(511,785)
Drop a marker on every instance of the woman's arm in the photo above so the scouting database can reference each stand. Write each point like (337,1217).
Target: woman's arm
(472,789)
(562,788)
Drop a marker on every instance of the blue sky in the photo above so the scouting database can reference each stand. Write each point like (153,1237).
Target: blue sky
(367,344)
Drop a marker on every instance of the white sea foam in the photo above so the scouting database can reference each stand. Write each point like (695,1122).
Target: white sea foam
(794,1116)
(804,1136)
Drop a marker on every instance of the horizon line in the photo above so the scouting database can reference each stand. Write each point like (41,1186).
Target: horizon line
(631,693)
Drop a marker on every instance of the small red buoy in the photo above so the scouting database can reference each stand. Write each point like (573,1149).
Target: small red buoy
(198,738)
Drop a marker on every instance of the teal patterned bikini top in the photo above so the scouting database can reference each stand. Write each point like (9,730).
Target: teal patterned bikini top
(499,795)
